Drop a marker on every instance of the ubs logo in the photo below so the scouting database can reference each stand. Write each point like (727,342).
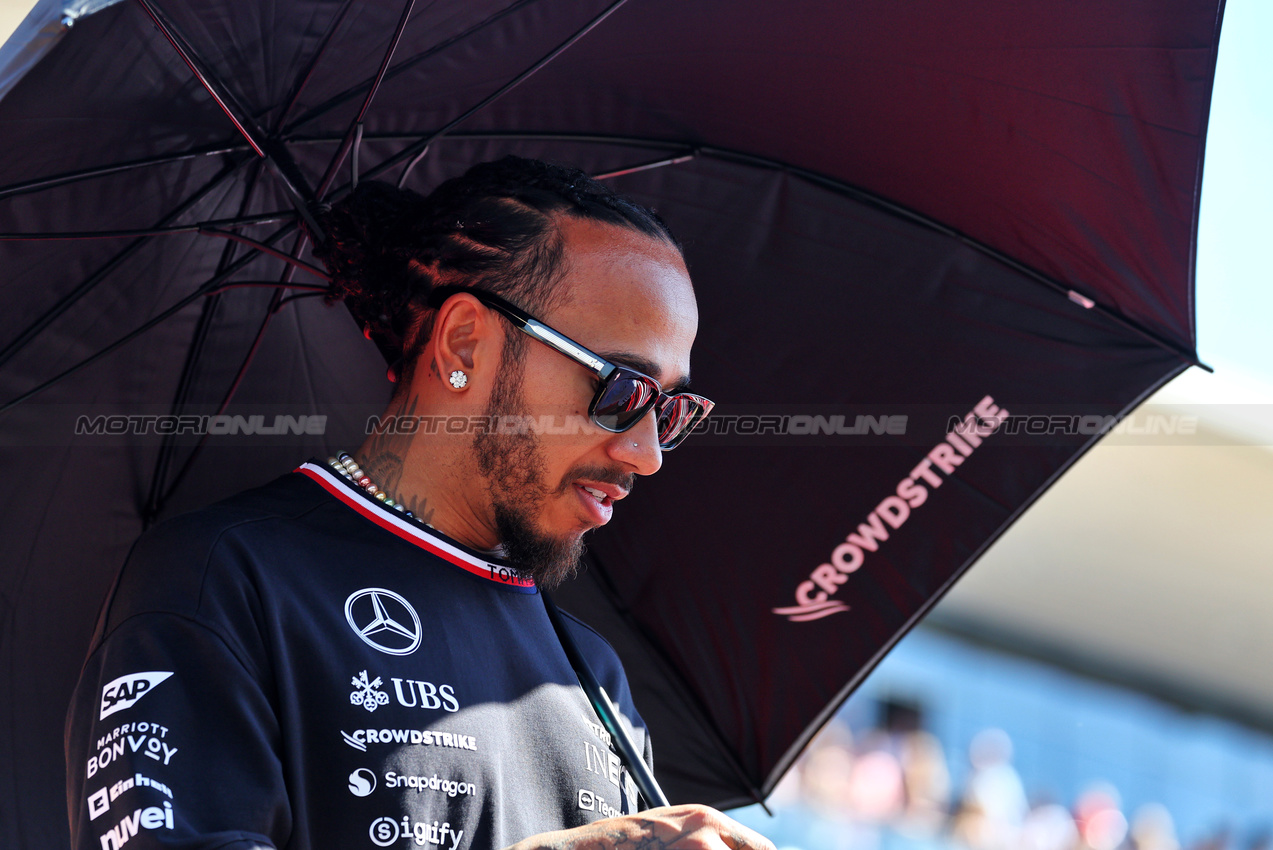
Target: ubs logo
(384,620)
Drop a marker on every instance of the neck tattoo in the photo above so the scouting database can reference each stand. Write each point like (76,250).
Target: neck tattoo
(348,468)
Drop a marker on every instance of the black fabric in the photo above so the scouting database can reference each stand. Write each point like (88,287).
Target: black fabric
(229,702)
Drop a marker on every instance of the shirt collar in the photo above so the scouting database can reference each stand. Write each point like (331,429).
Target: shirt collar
(429,539)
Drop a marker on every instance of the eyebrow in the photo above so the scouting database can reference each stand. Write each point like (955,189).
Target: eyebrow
(646,366)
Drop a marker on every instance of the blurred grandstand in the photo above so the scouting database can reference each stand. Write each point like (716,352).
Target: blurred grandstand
(951,745)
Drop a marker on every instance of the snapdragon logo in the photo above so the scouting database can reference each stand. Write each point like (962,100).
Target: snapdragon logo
(362,782)
(449,787)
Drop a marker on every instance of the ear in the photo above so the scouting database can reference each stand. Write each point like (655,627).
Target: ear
(465,338)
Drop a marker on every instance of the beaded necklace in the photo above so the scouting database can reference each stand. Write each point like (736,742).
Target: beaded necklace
(348,468)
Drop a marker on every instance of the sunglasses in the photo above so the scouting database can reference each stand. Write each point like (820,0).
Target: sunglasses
(623,395)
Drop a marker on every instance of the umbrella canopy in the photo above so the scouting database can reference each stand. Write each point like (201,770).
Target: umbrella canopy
(901,219)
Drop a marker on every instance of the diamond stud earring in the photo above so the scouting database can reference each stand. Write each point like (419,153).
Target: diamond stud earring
(458,379)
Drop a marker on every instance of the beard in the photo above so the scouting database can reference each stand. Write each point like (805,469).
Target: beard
(514,469)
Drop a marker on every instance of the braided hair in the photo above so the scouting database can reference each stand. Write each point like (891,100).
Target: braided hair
(493,228)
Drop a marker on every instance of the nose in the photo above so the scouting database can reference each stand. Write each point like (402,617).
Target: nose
(638,447)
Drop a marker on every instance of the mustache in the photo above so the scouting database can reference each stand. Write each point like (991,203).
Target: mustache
(600,474)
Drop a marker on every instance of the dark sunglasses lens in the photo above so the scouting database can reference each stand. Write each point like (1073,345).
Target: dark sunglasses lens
(677,417)
(623,401)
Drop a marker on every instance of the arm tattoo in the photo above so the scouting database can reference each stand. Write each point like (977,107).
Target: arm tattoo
(644,840)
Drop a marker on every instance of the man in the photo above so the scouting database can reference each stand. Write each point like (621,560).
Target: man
(357,655)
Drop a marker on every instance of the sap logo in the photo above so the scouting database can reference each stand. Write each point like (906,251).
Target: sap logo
(123,692)
(148,818)
(362,782)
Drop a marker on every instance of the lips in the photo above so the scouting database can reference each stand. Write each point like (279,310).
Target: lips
(598,498)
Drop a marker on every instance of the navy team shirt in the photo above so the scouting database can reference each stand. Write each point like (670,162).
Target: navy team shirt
(302,667)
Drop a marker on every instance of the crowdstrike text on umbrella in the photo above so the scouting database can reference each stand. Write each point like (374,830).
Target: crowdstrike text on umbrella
(813,596)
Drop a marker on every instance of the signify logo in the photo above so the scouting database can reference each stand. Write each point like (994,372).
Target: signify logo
(384,832)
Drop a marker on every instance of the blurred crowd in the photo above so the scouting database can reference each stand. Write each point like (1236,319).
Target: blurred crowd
(890,788)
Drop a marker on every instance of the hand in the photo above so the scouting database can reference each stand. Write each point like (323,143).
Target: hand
(668,828)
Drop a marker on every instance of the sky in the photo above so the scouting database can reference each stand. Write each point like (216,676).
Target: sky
(1235,232)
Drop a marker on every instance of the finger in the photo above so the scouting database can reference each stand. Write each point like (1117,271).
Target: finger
(738,837)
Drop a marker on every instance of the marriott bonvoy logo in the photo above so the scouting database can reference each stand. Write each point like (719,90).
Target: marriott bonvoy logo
(813,596)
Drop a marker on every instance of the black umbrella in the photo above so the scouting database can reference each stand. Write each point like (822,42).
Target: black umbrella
(903,219)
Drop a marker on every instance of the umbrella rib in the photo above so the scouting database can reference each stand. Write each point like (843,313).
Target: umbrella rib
(412,152)
(155,507)
(336,100)
(167,449)
(208,288)
(281,163)
(307,289)
(651,645)
(93,358)
(298,296)
(266,249)
(69,300)
(354,134)
(56,180)
(1071,294)
(212,86)
(276,303)
(647,166)
(669,145)
(240,221)
(304,79)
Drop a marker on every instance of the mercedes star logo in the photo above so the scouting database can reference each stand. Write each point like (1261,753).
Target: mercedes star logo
(383,619)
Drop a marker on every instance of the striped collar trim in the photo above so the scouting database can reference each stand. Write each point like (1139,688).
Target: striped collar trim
(433,542)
